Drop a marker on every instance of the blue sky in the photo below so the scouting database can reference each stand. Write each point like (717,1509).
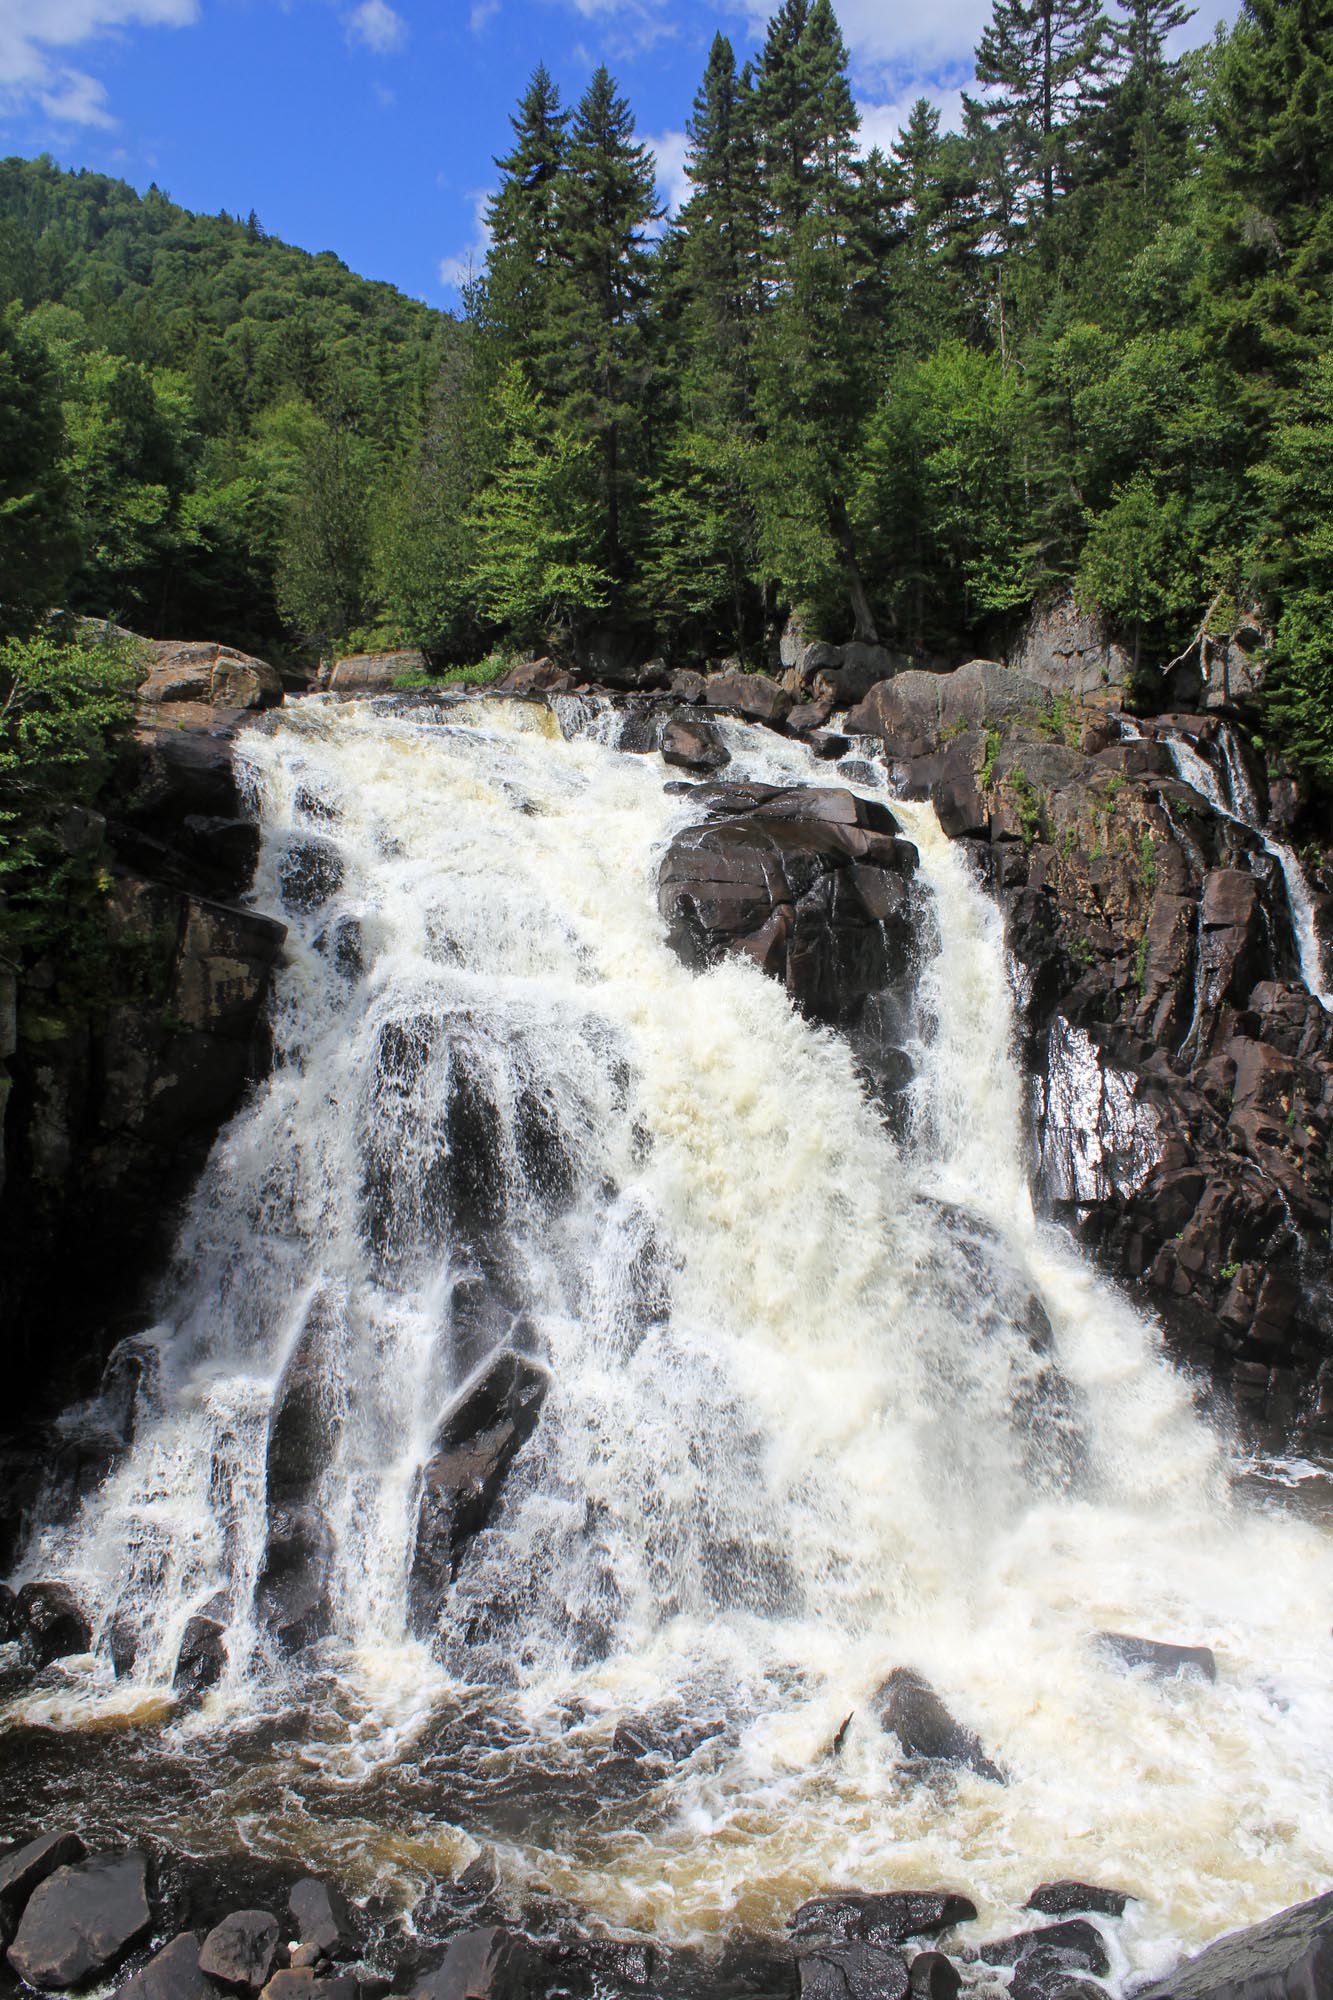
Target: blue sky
(369,127)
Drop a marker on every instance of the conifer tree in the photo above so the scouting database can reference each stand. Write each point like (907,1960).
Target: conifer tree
(522,220)
(1045,62)
(600,362)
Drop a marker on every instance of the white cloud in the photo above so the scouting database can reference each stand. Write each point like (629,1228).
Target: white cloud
(483,12)
(34,77)
(881,123)
(375,24)
(456,269)
(673,184)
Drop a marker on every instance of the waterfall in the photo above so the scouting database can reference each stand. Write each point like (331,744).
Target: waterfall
(1230,793)
(826,1396)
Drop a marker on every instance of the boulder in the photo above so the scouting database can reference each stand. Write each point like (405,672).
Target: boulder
(81,1920)
(310,871)
(541,676)
(693,746)
(202,1658)
(754,696)
(808,716)
(174,1973)
(292,1595)
(483,1429)
(22,1870)
(687,685)
(374,673)
(488,1964)
(1163,1661)
(852,1972)
(320,1915)
(303,1983)
(239,1952)
(1075,1946)
(932,1976)
(887,1917)
(50,1623)
(1058,1899)
(813,885)
(222,677)
(1288,1957)
(909,1708)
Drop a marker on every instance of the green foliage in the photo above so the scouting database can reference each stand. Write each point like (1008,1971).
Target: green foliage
(37,544)
(533,520)
(65,705)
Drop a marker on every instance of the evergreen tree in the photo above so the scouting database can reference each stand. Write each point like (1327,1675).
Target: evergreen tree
(600,360)
(1045,62)
(37,546)
(522,218)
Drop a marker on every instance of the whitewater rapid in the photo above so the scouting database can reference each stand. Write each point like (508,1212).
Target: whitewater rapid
(790,1442)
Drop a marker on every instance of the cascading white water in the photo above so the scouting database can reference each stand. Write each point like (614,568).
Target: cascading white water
(797,1434)
(1235,800)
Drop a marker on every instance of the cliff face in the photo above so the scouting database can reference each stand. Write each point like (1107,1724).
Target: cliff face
(1182,1072)
(111,1108)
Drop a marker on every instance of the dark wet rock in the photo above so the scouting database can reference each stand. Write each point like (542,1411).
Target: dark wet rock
(10,1628)
(480,1877)
(1047,1973)
(174,1973)
(808,716)
(306,1984)
(487,1424)
(687,685)
(343,942)
(852,1972)
(693,746)
(320,1915)
(932,1976)
(754,696)
(909,1708)
(489,1964)
(50,1622)
(1058,1899)
(239,1952)
(293,1594)
(1163,1661)
(1075,1946)
(813,885)
(887,1917)
(25,1867)
(1287,1957)
(80,1921)
(310,871)
(202,1658)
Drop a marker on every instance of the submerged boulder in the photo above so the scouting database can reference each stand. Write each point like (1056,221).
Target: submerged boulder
(1163,1661)
(814,885)
(202,1658)
(1058,1899)
(487,1424)
(81,1920)
(909,1708)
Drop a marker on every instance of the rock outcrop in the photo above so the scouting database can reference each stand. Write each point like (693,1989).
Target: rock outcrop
(487,1424)
(814,885)
(1184,1075)
(198,671)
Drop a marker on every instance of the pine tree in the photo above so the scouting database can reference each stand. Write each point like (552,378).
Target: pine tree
(599,362)
(718,233)
(1045,61)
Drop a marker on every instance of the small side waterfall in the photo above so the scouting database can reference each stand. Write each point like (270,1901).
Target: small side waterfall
(823,1400)
(1229,791)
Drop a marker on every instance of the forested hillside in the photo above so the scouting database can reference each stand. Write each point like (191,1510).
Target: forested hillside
(1083,343)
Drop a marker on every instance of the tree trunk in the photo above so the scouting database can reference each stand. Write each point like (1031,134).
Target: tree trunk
(863,628)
